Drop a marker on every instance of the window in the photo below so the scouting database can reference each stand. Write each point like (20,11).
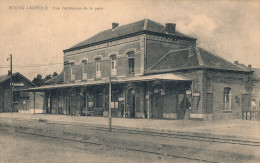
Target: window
(114,105)
(113,65)
(227,98)
(84,70)
(98,68)
(90,99)
(72,72)
(90,104)
(131,62)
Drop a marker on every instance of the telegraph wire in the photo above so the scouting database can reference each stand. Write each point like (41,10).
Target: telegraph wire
(27,66)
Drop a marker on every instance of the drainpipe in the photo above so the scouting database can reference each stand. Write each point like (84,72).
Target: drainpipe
(58,103)
(86,103)
(124,103)
(109,110)
(148,104)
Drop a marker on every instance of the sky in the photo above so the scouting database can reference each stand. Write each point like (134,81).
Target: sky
(36,32)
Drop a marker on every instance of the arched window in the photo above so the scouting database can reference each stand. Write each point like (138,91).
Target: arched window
(131,62)
(84,69)
(98,67)
(113,65)
(227,98)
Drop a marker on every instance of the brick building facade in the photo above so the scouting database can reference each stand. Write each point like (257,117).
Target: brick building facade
(156,72)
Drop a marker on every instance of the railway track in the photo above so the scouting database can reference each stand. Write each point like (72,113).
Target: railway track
(176,135)
(170,135)
(184,136)
(115,147)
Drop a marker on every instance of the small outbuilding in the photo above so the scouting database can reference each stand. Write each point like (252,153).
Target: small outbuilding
(23,102)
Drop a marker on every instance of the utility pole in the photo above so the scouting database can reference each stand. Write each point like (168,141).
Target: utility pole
(11,80)
(109,109)
(33,102)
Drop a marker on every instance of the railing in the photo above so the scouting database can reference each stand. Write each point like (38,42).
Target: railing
(251,115)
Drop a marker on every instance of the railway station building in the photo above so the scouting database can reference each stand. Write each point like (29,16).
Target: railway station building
(155,71)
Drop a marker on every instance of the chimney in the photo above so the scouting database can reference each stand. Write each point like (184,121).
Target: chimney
(250,66)
(170,28)
(236,62)
(114,25)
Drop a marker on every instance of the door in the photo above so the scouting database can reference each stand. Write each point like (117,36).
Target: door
(130,103)
(157,103)
(184,105)
(73,103)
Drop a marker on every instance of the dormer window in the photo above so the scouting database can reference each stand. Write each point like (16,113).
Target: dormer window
(131,63)
(98,67)
(84,69)
(113,65)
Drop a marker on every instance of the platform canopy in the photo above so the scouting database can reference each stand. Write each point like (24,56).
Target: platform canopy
(162,77)
(168,77)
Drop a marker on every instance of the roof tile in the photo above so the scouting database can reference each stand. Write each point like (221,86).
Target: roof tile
(204,59)
(142,25)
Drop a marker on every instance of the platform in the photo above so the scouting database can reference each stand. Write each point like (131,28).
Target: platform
(245,129)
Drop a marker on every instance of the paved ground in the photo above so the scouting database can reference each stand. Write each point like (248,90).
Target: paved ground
(243,129)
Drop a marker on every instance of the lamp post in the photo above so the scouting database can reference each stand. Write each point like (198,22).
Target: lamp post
(11,80)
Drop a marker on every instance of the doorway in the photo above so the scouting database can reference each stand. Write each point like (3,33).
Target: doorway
(130,103)
(158,101)
(184,104)
(73,102)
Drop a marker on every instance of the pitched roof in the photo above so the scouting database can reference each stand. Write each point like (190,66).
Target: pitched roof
(54,79)
(176,59)
(121,31)
(4,78)
(211,60)
(194,58)
(256,74)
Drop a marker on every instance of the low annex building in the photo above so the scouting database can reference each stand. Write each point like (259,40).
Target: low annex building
(156,72)
(22,101)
